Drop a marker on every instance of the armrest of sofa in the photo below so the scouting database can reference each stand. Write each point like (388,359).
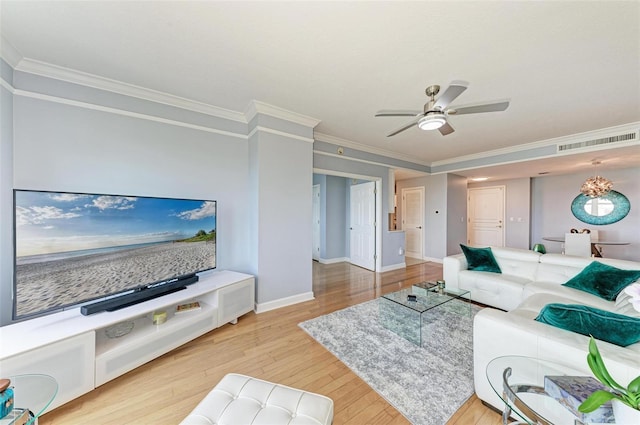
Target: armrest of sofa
(451,266)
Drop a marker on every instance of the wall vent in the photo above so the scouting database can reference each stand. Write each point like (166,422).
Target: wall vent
(627,137)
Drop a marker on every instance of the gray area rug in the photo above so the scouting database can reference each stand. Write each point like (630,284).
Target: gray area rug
(426,384)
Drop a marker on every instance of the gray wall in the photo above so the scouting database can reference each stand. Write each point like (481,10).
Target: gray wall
(551,198)
(456,212)
(6,195)
(123,145)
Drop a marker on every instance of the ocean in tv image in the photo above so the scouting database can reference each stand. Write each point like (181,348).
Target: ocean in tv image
(72,247)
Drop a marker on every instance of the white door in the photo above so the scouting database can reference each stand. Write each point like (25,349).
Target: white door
(362,233)
(485,212)
(315,222)
(413,221)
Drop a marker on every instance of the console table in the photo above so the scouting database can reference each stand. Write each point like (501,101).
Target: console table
(75,351)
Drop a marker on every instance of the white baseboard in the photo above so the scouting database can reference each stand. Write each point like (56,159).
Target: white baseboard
(283,302)
(393,267)
(435,260)
(333,260)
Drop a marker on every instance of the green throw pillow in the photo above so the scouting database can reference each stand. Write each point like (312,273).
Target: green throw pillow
(480,259)
(603,280)
(604,325)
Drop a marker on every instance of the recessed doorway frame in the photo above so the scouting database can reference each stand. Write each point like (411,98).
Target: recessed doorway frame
(378,182)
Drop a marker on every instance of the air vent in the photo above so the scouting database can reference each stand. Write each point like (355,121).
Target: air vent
(601,141)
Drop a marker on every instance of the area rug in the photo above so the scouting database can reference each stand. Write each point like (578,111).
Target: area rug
(427,383)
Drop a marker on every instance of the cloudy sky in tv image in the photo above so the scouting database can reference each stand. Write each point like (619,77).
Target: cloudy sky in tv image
(48,223)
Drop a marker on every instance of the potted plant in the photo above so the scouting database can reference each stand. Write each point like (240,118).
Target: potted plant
(625,401)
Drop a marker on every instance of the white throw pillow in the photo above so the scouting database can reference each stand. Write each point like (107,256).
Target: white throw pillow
(623,306)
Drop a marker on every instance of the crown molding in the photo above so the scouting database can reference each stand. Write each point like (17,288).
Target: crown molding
(256,107)
(322,137)
(9,53)
(102,83)
(594,134)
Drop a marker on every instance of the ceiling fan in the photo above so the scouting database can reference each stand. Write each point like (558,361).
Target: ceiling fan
(435,112)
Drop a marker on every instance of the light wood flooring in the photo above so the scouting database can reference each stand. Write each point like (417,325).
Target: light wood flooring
(269,346)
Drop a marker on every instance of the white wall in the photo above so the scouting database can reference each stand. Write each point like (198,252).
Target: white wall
(6,203)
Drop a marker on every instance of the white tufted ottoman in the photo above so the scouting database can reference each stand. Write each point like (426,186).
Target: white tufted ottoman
(242,400)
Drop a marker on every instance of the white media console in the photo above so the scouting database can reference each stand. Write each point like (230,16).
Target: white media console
(75,350)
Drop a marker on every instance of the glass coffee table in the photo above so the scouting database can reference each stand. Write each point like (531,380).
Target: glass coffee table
(406,312)
(32,395)
(520,383)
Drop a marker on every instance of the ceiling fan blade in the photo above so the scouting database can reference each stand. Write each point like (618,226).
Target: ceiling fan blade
(495,106)
(404,127)
(446,129)
(397,113)
(454,90)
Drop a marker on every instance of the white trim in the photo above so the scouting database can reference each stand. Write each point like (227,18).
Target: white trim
(55,99)
(44,69)
(322,137)
(7,86)
(572,138)
(9,53)
(433,260)
(283,302)
(365,161)
(393,267)
(333,260)
(256,107)
(279,133)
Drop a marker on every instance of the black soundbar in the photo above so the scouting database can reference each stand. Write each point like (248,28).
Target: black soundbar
(137,297)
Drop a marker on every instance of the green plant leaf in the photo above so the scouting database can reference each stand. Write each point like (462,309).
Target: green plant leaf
(595,400)
(634,386)
(594,359)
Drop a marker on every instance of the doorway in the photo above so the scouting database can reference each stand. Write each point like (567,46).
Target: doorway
(485,212)
(413,221)
(362,228)
(315,222)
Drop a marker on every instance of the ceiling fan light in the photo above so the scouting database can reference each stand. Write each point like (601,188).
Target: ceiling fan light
(432,122)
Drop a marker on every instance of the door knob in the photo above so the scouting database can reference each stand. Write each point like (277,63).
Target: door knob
(419,227)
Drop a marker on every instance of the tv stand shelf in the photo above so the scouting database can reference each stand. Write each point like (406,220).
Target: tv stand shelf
(75,350)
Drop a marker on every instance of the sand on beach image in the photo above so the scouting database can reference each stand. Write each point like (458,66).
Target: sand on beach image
(49,285)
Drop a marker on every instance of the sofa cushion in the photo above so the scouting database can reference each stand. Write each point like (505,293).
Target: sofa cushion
(480,259)
(604,325)
(603,280)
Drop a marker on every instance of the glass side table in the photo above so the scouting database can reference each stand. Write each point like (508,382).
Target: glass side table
(519,382)
(32,395)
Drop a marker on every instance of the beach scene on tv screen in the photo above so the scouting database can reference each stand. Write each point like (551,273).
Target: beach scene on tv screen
(74,247)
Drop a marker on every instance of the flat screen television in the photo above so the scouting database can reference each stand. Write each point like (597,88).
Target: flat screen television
(72,248)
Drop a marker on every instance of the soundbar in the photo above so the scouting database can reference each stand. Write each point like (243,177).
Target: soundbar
(145,294)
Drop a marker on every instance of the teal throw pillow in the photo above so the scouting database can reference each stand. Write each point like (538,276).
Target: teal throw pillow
(603,280)
(604,325)
(480,259)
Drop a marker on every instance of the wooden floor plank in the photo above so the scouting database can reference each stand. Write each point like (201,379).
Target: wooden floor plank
(269,346)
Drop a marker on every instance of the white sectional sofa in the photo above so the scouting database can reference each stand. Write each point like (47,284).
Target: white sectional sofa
(528,282)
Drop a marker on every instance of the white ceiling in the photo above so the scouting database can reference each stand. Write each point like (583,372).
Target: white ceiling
(568,67)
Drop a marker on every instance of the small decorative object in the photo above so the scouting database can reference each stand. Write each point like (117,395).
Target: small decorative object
(6,397)
(412,297)
(539,248)
(441,286)
(596,186)
(159,317)
(571,391)
(633,291)
(183,308)
(119,329)
(620,396)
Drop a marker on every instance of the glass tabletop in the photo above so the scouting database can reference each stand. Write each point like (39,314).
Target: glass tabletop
(528,388)
(427,296)
(33,393)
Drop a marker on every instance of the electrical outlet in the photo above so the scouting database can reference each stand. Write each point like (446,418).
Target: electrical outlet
(340,150)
